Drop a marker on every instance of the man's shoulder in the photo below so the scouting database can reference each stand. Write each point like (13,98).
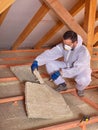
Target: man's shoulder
(60,45)
(83,47)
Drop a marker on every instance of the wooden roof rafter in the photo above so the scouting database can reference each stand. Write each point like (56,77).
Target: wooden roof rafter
(77,7)
(89,22)
(3,15)
(32,24)
(4,4)
(95,35)
(96,32)
(66,17)
(96,15)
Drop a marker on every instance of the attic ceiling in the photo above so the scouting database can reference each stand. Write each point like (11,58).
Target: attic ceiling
(41,23)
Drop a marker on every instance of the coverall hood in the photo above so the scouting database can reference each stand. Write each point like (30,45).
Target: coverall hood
(80,40)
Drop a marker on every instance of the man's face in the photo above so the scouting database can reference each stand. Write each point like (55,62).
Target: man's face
(69,43)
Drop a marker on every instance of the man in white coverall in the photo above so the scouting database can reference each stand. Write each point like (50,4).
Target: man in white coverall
(76,63)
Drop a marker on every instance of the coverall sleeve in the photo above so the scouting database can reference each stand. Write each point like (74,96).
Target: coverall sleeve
(49,55)
(82,62)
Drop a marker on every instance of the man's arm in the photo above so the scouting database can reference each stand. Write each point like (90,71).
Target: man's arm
(50,55)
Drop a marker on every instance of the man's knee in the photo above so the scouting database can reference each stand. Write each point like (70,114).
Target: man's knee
(84,81)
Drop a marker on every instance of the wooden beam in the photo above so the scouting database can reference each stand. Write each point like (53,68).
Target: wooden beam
(25,50)
(95,35)
(66,17)
(89,22)
(86,100)
(77,7)
(96,32)
(32,24)
(8,79)
(18,98)
(71,124)
(3,15)
(95,45)
(12,99)
(4,4)
(96,15)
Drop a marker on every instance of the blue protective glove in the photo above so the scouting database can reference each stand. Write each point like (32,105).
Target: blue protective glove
(55,75)
(34,65)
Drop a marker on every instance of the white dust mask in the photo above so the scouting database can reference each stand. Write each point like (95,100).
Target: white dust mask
(68,48)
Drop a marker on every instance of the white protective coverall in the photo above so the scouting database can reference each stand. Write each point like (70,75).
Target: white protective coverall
(76,63)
